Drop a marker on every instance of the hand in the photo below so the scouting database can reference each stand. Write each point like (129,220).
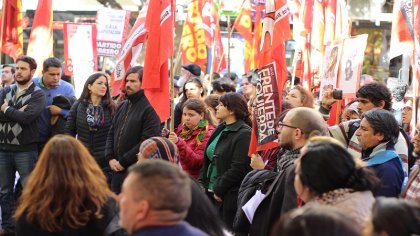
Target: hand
(54,110)
(217,198)
(165,132)
(119,167)
(173,138)
(3,107)
(256,162)
(327,99)
(23,108)
(114,164)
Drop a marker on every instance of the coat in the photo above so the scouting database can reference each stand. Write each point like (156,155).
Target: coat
(232,164)
(135,121)
(94,141)
(191,153)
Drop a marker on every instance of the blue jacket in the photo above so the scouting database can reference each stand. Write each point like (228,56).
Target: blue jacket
(64,88)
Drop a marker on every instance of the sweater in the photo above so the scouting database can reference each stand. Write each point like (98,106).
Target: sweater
(19,129)
(64,88)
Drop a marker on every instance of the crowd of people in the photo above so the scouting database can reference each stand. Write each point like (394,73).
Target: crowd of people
(96,165)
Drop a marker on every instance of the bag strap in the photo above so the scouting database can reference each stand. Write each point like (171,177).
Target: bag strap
(112,226)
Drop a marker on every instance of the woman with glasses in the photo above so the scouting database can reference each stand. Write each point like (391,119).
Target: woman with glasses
(226,160)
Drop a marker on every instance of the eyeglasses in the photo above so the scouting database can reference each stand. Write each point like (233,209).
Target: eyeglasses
(281,124)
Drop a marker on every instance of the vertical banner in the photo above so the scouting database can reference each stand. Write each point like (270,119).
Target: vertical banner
(112,26)
(193,43)
(12,34)
(351,64)
(79,53)
(402,29)
(330,66)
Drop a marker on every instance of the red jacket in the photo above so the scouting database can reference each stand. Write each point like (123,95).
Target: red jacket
(191,154)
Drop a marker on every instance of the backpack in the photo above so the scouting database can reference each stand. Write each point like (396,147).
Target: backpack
(253,181)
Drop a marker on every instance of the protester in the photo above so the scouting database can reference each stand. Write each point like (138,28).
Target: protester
(327,174)
(212,101)
(377,135)
(201,213)
(90,118)
(407,114)
(7,75)
(155,199)
(67,194)
(52,86)
(222,86)
(350,112)
(294,131)
(412,189)
(191,137)
(135,120)
(226,160)
(394,217)
(193,88)
(22,105)
(187,72)
(248,85)
(369,96)
(300,97)
(315,221)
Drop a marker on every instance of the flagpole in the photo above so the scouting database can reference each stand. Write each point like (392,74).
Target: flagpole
(213,51)
(229,35)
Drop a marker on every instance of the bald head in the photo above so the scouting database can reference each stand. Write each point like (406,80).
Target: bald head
(309,121)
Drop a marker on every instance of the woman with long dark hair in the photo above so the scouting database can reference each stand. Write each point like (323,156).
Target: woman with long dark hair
(327,174)
(67,194)
(90,117)
(191,136)
(226,160)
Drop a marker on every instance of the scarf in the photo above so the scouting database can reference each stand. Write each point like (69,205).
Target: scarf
(95,117)
(202,126)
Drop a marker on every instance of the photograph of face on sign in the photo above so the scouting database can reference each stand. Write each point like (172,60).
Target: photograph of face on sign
(351,64)
(330,65)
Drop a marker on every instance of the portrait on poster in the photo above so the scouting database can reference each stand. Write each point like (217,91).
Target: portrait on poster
(330,66)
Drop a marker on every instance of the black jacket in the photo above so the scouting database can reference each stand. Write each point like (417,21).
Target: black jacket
(135,121)
(94,140)
(282,198)
(232,164)
(19,130)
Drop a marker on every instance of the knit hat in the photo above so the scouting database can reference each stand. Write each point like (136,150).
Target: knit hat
(159,148)
(193,68)
(353,106)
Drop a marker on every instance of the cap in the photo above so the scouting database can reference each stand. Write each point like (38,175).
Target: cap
(193,68)
(159,148)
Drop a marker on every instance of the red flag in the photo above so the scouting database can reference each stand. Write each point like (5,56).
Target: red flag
(12,38)
(243,24)
(219,59)
(129,52)
(256,39)
(272,75)
(40,45)
(160,27)
(210,19)
(402,29)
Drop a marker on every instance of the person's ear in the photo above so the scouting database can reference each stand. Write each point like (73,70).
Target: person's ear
(382,104)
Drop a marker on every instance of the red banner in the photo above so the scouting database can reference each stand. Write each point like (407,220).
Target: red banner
(12,37)
(243,24)
(40,45)
(160,27)
(272,75)
(193,43)
(402,29)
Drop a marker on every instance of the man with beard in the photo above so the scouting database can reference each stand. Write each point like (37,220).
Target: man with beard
(135,121)
(22,106)
(297,127)
(412,189)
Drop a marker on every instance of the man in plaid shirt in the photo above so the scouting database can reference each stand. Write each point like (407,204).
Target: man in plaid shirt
(412,190)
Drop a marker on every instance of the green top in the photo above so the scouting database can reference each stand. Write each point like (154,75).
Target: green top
(212,170)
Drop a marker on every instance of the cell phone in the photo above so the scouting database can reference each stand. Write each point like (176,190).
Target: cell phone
(337,94)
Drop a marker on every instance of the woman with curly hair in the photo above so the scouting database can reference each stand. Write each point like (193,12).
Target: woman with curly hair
(67,194)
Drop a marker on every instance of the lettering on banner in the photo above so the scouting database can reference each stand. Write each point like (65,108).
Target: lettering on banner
(108,49)
(267,105)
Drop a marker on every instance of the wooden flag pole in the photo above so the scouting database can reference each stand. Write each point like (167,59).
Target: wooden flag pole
(213,51)
(229,35)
